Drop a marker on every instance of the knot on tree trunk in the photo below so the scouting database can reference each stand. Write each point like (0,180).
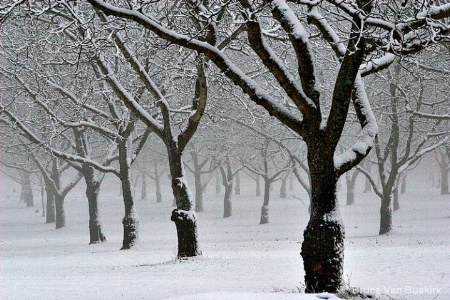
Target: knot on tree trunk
(323,256)
(186,224)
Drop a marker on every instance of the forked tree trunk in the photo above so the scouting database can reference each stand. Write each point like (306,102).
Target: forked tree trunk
(50,207)
(265,208)
(323,244)
(385,215)
(183,216)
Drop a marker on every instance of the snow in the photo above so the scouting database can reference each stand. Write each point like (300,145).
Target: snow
(241,259)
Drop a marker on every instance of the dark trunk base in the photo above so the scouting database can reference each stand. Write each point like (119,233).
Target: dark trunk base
(130,232)
(323,256)
(95,233)
(186,225)
(385,220)
(227,209)
(264,215)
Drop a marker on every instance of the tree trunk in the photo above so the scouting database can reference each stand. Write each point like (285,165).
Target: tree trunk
(183,216)
(198,192)
(218,184)
(158,185)
(444,167)
(143,186)
(95,227)
(350,189)
(323,244)
(258,186)
(130,220)
(50,209)
(265,208)
(60,212)
(403,186)
(227,204)
(385,215)
(237,187)
(396,200)
(26,193)
(283,187)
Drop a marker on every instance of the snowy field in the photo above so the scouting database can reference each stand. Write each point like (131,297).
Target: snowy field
(241,259)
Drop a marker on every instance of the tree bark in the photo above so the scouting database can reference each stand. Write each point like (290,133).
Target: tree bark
(237,187)
(283,187)
(183,216)
(198,192)
(403,186)
(265,208)
(385,215)
(227,203)
(50,207)
(323,244)
(396,199)
(26,193)
(59,211)
(130,220)
(95,227)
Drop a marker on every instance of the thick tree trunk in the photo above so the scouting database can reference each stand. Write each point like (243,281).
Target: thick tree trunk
(50,207)
(183,216)
(60,212)
(385,215)
(227,203)
(143,186)
(265,208)
(323,244)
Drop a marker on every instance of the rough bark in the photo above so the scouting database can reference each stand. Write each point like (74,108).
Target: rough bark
(184,215)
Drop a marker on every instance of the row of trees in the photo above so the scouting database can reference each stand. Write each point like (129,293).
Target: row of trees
(89,85)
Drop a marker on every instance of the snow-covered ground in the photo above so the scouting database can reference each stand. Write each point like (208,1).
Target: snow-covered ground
(241,259)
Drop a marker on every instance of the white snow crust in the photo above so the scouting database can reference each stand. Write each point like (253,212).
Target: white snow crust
(241,259)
